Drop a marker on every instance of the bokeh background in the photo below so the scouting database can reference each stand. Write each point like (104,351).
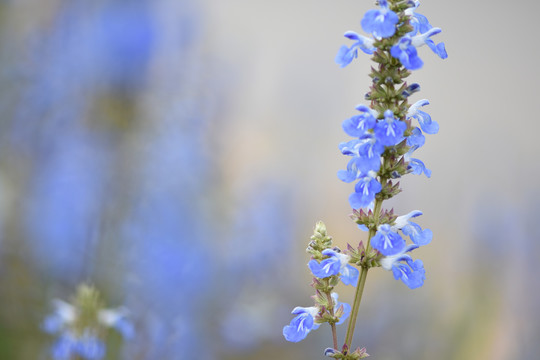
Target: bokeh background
(177,155)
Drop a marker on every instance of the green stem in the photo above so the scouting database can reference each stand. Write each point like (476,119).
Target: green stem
(356,305)
(333,325)
(362,278)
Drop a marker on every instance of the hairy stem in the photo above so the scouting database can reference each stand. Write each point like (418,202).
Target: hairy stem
(333,325)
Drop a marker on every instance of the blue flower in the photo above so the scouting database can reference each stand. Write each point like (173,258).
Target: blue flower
(427,125)
(380,23)
(414,231)
(421,25)
(117,319)
(389,131)
(366,153)
(406,53)
(416,138)
(346,308)
(302,324)
(345,54)
(336,263)
(365,191)
(411,272)
(358,125)
(64,315)
(387,241)
(87,346)
(90,347)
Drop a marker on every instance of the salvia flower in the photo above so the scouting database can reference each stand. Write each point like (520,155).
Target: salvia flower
(347,54)
(407,54)
(416,166)
(365,190)
(414,231)
(80,327)
(387,241)
(336,263)
(302,324)
(381,23)
(410,272)
(421,25)
(306,319)
(389,131)
(358,125)
(424,120)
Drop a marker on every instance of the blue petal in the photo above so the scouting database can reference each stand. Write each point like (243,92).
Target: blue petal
(357,125)
(380,23)
(349,275)
(418,167)
(438,49)
(416,138)
(387,242)
(346,312)
(427,125)
(91,348)
(346,176)
(345,56)
(417,235)
(63,348)
(408,57)
(299,327)
(326,268)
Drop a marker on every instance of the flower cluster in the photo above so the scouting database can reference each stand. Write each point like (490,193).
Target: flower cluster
(80,327)
(385,133)
(389,130)
(328,266)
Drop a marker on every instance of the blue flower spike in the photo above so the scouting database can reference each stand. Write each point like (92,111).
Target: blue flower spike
(385,134)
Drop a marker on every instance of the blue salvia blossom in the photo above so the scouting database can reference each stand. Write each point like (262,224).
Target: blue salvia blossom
(347,54)
(381,23)
(305,320)
(328,265)
(336,263)
(302,324)
(421,25)
(79,327)
(404,268)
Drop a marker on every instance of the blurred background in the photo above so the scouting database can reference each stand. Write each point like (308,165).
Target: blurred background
(177,154)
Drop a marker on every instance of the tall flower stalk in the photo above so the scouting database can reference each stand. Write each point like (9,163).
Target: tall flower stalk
(386,133)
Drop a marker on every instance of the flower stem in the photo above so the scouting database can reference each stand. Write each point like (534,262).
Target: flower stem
(333,325)
(362,278)
(356,305)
